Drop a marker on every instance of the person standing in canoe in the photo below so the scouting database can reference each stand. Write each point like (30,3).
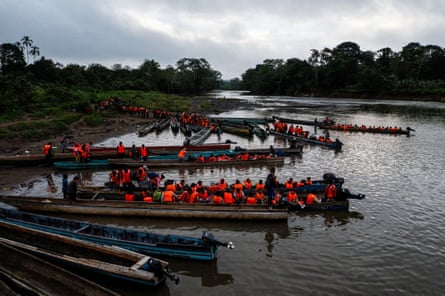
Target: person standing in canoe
(65,185)
(330,192)
(181,154)
(72,188)
(144,152)
(271,185)
(120,150)
(48,151)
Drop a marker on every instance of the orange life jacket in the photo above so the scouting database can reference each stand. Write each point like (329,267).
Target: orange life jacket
(47,149)
(129,196)
(228,198)
(251,200)
(247,184)
(331,191)
(120,149)
(292,196)
(310,198)
(126,176)
(217,199)
(168,196)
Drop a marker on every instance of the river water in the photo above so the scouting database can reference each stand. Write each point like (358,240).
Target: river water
(390,243)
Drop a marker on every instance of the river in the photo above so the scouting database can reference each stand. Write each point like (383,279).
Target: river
(390,243)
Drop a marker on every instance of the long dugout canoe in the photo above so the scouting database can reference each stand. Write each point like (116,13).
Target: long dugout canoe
(144,209)
(117,162)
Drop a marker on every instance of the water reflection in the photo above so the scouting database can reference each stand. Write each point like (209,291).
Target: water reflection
(330,219)
(207,271)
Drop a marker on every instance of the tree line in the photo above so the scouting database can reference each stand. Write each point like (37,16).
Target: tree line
(22,81)
(417,70)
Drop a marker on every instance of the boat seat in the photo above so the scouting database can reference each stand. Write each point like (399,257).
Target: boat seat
(82,228)
(141,262)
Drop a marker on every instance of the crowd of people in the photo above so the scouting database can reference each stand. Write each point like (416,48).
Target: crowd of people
(142,185)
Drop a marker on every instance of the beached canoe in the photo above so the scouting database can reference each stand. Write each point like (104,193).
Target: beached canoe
(24,274)
(145,209)
(148,243)
(199,137)
(95,261)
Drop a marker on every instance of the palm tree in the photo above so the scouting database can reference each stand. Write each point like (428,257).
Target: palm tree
(27,42)
(35,52)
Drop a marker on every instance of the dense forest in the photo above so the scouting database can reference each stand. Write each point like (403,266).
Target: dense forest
(346,70)
(26,78)
(24,83)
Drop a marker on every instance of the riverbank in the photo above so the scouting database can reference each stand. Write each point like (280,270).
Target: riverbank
(119,124)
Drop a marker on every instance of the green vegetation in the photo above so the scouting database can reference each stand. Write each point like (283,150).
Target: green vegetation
(55,96)
(416,71)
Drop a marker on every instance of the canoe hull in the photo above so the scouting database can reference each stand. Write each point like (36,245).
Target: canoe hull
(143,209)
(147,243)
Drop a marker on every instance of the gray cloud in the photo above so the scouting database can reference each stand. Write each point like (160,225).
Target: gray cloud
(232,35)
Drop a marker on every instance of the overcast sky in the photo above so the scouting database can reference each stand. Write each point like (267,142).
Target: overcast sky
(232,35)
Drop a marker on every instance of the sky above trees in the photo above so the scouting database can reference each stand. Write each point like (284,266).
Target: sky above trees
(231,35)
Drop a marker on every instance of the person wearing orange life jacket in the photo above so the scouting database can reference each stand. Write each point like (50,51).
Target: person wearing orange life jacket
(238,194)
(120,150)
(146,196)
(143,152)
(259,196)
(312,198)
(129,196)
(217,198)
(193,197)
(126,179)
(247,184)
(199,185)
(170,185)
(302,182)
(309,181)
(168,196)
(289,183)
(228,197)
(181,154)
(292,196)
(222,185)
(141,174)
(47,150)
(237,185)
(330,191)
(260,185)
(251,200)
(201,158)
(115,179)
(203,195)
(180,186)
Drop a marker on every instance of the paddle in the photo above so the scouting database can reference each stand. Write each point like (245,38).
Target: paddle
(209,238)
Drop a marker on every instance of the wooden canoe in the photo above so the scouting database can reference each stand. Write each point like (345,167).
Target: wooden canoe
(337,145)
(107,263)
(26,274)
(118,162)
(72,165)
(199,137)
(144,209)
(148,243)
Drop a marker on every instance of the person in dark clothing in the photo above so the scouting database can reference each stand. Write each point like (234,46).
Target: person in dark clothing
(72,188)
(271,184)
(65,186)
